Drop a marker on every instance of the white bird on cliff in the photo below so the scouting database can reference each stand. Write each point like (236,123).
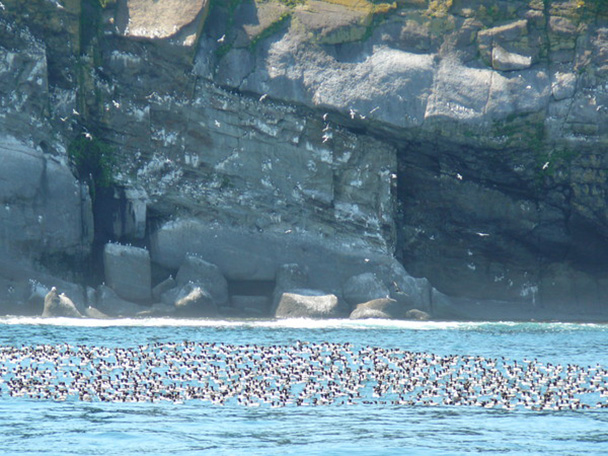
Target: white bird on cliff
(458,176)
(2,7)
(116,104)
(63,119)
(325,116)
(374,110)
(482,234)
(546,165)
(352,113)
(76,113)
(263,97)
(88,135)
(222,39)
(217,123)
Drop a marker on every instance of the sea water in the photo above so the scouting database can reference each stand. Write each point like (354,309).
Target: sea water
(39,426)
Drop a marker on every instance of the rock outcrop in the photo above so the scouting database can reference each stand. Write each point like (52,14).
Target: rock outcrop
(455,150)
(45,213)
(293,305)
(364,288)
(196,270)
(59,305)
(378,308)
(288,279)
(415,314)
(128,272)
(194,301)
(108,302)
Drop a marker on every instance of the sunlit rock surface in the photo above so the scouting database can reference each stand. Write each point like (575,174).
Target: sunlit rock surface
(293,305)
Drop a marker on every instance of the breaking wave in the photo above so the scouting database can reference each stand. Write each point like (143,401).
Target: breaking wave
(305,323)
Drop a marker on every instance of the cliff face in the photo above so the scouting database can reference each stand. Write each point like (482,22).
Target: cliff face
(464,141)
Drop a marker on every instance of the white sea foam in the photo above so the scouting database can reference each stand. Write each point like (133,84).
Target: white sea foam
(296,323)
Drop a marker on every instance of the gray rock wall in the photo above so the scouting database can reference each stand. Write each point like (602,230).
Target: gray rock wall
(45,211)
(464,139)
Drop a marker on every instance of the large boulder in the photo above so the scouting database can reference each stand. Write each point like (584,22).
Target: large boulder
(363,288)
(59,305)
(416,314)
(378,308)
(45,211)
(194,301)
(127,271)
(196,270)
(245,254)
(111,304)
(412,292)
(163,287)
(40,287)
(294,305)
(289,277)
(93,312)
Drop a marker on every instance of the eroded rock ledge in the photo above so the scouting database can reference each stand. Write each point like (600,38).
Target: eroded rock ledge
(461,141)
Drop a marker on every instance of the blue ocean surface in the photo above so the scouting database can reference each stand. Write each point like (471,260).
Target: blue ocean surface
(74,426)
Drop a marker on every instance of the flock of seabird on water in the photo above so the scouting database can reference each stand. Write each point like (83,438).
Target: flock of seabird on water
(302,374)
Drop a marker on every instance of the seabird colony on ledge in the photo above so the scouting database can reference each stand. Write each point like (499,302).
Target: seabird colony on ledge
(304,374)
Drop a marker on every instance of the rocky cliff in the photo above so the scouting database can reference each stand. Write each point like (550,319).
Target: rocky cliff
(464,142)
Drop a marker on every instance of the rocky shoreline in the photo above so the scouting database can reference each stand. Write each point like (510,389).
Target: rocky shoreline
(446,157)
(200,290)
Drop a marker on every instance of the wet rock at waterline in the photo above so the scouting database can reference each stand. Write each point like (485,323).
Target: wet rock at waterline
(194,301)
(108,302)
(196,270)
(378,308)
(59,305)
(415,314)
(292,305)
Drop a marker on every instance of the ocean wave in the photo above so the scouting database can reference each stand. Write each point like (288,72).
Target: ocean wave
(305,323)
